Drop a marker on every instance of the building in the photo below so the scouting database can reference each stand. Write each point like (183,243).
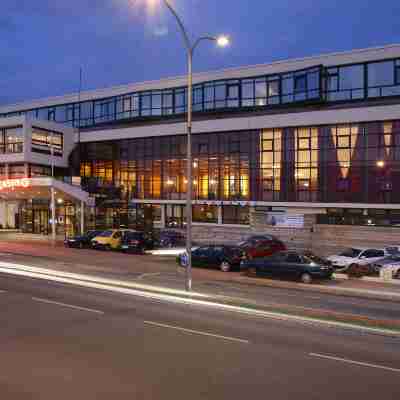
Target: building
(296,147)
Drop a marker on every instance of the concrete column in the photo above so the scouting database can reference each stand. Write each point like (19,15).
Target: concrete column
(82,217)
(219,215)
(6,171)
(26,168)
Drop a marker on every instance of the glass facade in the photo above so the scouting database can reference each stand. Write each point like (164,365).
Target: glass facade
(45,141)
(11,140)
(334,163)
(317,84)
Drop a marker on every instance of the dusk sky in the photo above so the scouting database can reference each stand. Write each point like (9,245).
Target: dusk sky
(44,43)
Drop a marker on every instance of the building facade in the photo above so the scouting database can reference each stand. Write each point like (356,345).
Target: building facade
(292,144)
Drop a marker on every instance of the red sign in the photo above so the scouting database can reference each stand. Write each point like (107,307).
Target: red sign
(15,183)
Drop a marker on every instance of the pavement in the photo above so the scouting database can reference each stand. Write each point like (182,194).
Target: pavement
(366,304)
(62,341)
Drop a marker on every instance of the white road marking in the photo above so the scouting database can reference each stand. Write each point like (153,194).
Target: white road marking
(3,291)
(178,328)
(362,364)
(148,275)
(67,305)
(174,296)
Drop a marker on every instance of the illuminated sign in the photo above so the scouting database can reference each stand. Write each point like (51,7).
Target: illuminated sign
(15,183)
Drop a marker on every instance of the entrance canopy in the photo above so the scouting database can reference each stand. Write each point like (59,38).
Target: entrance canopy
(40,188)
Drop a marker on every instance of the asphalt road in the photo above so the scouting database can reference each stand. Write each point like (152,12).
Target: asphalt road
(165,273)
(60,341)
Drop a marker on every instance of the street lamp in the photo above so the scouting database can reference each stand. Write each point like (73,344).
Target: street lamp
(190,46)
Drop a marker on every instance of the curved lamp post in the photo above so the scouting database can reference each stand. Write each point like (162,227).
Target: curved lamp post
(221,41)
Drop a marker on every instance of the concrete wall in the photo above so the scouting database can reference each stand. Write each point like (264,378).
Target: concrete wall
(322,239)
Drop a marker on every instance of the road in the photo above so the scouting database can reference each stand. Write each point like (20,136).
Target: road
(60,341)
(165,273)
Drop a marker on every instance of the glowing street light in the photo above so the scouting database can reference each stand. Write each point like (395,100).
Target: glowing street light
(380,164)
(221,41)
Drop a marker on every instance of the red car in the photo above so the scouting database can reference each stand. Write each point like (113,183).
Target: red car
(261,246)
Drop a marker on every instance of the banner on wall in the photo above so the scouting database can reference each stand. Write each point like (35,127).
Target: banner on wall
(283,219)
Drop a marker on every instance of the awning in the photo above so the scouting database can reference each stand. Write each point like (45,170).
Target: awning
(40,188)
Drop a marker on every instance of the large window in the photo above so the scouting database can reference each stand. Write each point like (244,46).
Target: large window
(205,213)
(237,215)
(45,141)
(271,164)
(306,164)
(11,140)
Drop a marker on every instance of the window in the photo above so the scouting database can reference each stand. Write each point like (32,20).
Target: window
(235,215)
(343,142)
(44,141)
(372,253)
(397,72)
(380,74)
(205,213)
(300,83)
(16,171)
(11,140)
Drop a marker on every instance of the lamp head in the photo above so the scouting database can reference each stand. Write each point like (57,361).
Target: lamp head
(223,41)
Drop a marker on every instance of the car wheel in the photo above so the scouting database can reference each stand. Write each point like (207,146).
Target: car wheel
(306,278)
(81,245)
(252,271)
(355,271)
(225,266)
(107,247)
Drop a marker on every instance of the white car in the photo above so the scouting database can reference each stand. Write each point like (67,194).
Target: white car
(358,256)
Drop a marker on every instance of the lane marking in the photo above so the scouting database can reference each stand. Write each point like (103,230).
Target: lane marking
(148,275)
(178,328)
(173,296)
(3,291)
(67,305)
(360,363)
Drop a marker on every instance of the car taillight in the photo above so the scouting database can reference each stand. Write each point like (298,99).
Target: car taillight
(134,242)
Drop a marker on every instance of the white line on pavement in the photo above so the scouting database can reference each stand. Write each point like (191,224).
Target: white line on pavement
(362,364)
(3,291)
(148,275)
(67,305)
(178,328)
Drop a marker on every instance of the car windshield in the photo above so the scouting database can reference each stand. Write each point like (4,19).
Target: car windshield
(106,234)
(393,250)
(314,258)
(133,235)
(92,233)
(353,253)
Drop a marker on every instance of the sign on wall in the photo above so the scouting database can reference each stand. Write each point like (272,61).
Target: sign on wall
(282,219)
(15,183)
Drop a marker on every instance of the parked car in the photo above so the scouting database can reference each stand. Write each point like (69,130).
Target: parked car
(170,239)
(108,240)
(357,256)
(392,261)
(226,258)
(288,264)
(261,246)
(136,242)
(81,241)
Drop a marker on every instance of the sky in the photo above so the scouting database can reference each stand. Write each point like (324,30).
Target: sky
(44,43)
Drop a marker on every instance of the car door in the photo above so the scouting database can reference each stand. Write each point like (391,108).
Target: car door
(200,257)
(268,265)
(292,265)
(371,255)
(116,239)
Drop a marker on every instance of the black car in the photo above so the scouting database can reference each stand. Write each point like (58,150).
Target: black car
(81,241)
(136,242)
(170,239)
(226,258)
(288,264)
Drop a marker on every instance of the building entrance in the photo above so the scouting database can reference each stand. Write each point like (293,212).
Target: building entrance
(41,222)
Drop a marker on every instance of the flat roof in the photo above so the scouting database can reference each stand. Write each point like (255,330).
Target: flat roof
(329,59)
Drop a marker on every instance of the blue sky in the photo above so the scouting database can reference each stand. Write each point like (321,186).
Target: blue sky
(44,43)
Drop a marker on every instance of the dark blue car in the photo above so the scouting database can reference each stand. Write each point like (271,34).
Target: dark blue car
(81,241)
(289,264)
